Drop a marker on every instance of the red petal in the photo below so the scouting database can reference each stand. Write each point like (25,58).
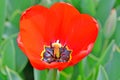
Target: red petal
(40,65)
(32,58)
(82,54)
(31,38)
(65,12)
(38,26)
(83,34)
(84,30)
(31,31)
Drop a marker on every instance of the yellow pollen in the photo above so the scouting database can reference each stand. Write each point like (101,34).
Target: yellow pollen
(56,47)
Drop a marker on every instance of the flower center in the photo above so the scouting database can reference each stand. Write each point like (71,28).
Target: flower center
(56,53)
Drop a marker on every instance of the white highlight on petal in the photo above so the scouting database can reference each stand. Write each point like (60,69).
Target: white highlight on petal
(66,3)
(96,23)
(19,40)
(90,46)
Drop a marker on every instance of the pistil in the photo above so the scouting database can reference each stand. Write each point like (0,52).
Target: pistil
(56,46)
(56,53)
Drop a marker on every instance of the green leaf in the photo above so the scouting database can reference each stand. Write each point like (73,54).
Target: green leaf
(117,33)
(39,75)
(8,58)
(15,8)
(92,76)
(9,30)
(48,3)
(12,75)
(52,74)
(89,64)
(117,3)
(118,11)
(2,17)
(75,3)
(15,17)
(102,75)
(0,59)
(79,78)
(106,55)
(81,68)
(103,9)
(63,75)
(110,24)
(12,55)
(112,67)
(20,58)
(88,6)
(2,76)
(18,5)
(98,44)
(75,72)
(66,73)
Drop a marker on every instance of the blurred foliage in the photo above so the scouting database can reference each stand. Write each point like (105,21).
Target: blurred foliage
(102,64)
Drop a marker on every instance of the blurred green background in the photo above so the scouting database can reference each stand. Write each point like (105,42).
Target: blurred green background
(102,64)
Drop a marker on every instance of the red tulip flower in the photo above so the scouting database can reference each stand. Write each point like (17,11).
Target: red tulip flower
(56,37)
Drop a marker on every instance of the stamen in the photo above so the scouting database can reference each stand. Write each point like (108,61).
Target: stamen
(56,44)
(56,53)
(56,47)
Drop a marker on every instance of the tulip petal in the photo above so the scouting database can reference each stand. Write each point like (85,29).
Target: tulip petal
(82,37)
(65,12)
(31,31)
(31,57)
(37,28)
(84,30)
(82,54)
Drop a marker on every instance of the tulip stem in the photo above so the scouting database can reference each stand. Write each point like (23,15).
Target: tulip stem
(53,74)
(56,74)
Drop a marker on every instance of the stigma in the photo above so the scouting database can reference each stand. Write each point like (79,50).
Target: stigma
(56,47)
(56,53)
